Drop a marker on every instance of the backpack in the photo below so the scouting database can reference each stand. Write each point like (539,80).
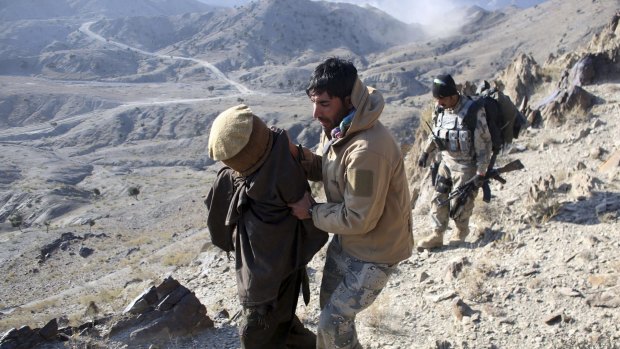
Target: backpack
(504,119)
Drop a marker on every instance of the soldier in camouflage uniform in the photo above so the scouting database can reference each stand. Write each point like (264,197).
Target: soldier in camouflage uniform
(464,155)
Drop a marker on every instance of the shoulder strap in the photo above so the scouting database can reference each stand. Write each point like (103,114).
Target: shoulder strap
(471,116)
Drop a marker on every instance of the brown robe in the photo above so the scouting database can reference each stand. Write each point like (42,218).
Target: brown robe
(270,243)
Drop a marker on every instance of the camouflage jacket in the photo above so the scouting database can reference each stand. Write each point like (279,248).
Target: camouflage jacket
(462,149)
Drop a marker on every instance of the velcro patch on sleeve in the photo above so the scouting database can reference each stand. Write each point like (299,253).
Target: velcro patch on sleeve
(360,182)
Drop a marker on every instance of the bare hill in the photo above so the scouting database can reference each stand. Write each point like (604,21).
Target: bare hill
(490,42)
(267,32)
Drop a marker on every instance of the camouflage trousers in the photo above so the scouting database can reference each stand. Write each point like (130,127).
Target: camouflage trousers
(447,181)
(348,287)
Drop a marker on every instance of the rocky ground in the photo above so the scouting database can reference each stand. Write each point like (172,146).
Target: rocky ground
(535,273)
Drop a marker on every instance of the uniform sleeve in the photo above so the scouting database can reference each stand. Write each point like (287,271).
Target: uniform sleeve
(429,145)
(482,142)
(367,181)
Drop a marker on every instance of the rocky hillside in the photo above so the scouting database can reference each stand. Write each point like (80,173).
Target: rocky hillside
(271,45)
(500,38)
(268,32)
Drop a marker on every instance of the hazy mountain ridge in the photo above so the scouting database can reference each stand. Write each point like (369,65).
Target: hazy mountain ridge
(21,39)
(154,33)
(272,44)
(478,19)
(269,32)
(33,30)
(34,9)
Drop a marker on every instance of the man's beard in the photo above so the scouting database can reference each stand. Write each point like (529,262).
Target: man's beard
(333,124)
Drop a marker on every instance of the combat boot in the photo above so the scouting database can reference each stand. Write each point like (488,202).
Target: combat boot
(431,241)
(459,237)
(300,337)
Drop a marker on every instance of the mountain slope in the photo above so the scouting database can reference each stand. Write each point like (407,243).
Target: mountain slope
(490,42)
(271,32)
(34,9)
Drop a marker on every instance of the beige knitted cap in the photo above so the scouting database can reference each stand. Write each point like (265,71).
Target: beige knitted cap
(240,139)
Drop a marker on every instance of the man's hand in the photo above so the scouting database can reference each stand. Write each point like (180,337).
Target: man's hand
(422,160)
(300,208)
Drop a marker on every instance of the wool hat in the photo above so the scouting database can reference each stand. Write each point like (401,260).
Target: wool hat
(240,139)
(443,86)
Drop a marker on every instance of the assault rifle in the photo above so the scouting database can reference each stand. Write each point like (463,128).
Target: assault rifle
(462,193)
(441,145)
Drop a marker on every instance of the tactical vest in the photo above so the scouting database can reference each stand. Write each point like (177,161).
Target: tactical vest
(449,127)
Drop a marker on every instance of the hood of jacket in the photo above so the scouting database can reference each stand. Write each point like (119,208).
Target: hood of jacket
(368,103)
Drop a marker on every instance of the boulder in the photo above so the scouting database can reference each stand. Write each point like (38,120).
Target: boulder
(164,311)
(27,338)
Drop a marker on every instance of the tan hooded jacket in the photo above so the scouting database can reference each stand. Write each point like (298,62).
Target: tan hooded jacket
(363,174)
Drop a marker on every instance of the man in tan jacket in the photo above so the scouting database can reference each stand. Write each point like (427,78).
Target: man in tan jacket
(368,203)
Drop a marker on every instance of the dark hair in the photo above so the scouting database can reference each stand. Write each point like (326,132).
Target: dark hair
(335,76)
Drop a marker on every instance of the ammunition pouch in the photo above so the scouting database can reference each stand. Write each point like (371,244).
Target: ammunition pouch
(440,143)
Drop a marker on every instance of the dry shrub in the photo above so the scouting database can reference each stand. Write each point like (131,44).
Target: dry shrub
(183,258)
(492,219)
(421,135)
(376,314)
(609,217)
(536,283)
(543,204)
(105,296)
(593,341)
(487,214)
(23,315)
(543,210)
(473,281)
(380,315)
(177,255)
